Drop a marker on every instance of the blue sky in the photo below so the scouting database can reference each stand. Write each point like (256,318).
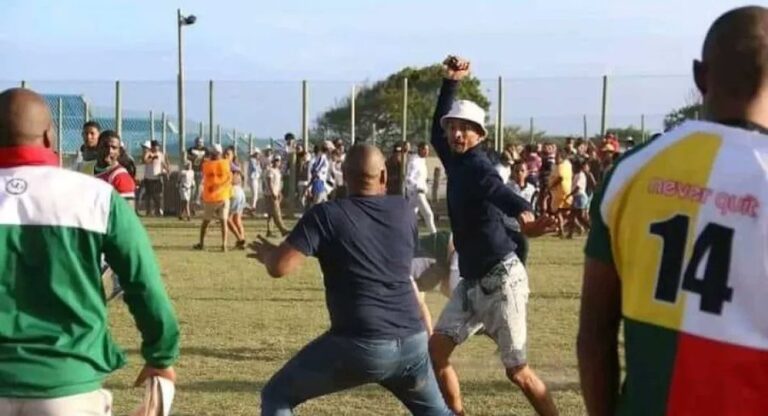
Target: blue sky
(564,44)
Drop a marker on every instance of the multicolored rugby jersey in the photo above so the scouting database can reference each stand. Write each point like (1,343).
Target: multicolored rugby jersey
(683,219)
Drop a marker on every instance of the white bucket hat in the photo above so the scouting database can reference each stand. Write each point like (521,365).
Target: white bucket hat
(466,110)
(217,148)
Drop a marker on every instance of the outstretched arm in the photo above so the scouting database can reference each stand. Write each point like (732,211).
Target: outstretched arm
(279,260)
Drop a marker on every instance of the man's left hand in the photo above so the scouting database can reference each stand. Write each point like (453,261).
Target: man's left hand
(545,224)
(261,248)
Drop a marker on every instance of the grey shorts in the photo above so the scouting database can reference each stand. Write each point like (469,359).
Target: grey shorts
(497,302)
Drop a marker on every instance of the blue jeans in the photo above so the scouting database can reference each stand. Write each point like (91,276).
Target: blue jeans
(333,363)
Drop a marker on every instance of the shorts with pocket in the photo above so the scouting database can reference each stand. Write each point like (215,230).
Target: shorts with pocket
(216,210)
(580,201)
(498,303)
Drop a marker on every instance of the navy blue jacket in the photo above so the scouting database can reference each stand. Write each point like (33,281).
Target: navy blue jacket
(476,199)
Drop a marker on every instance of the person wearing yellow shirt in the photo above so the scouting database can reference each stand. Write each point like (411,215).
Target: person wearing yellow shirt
(216,192)
(560,188)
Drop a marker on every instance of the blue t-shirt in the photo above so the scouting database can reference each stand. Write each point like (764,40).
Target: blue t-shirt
(365,246)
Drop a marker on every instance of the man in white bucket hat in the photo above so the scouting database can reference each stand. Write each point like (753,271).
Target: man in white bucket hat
(494,291)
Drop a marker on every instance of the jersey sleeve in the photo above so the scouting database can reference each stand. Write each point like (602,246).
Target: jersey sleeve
(124,185)
(598,244)
(129,252)
(309,232)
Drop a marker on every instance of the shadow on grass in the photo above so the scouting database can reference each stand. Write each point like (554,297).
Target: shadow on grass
(222,386)
(240,298)
(555,295)
(239,353)
(213,248)
(504,385)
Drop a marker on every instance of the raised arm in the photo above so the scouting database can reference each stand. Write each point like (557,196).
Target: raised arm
(444,103)
(456,69)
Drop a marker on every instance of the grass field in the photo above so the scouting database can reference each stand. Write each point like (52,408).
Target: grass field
(239,326)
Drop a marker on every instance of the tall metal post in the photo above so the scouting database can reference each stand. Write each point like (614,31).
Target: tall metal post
(118,110)
(23,84)
(164,136)
(405,110)
(234,137)
(151,125)
(86,110)
(373,134)
(500,115)
(180,92)
(218,134)
(250,143)
(305,112)
(531,131)
(585,128)
(210,111)
(642,128)
(604,107)
(352,116)
(60,132)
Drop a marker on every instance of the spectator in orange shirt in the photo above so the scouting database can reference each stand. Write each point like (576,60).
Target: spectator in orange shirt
(217,190)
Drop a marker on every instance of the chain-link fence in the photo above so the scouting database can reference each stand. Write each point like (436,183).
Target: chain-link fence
(249,114)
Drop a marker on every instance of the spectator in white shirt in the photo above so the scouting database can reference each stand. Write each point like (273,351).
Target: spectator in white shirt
(504,167)
(319,169)
(155,165)
(254,177)
(520,183)
(416,185)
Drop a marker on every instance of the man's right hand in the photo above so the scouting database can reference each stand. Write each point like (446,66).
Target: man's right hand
(456,68)
(147,372)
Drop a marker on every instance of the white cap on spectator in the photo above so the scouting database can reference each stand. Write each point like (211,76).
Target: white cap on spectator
(217,148)
(146,144)
(329,145)
(466,110)
(256,150)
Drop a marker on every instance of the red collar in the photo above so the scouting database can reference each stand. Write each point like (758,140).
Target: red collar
(27,156)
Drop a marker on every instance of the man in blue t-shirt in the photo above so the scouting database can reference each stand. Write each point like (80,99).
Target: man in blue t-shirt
(365,244)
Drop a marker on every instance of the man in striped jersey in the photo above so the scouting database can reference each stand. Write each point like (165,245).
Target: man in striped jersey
(676,250)
(55,345)
(109,169)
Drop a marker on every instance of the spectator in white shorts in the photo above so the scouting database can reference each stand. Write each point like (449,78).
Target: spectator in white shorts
(236,207)
(254,177)
(186,185)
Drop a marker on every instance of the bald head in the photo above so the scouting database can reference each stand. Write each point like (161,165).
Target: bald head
(734,64)
(24,119)
(364,171)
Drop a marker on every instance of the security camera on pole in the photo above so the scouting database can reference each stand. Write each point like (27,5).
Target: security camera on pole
(182,21)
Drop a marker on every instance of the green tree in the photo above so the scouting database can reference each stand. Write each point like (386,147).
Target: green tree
(381,105)
(679,115)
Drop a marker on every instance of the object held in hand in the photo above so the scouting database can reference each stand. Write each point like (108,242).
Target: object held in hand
(452,62)
(158,397)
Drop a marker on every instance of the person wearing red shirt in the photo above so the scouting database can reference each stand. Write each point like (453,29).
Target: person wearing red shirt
(109,169)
